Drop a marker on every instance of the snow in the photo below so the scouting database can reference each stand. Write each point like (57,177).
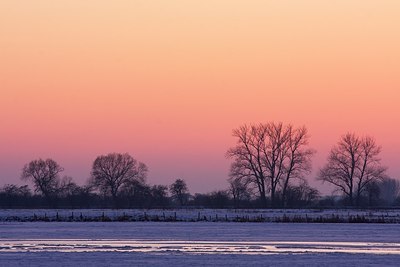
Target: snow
(202,231)
(96,259)
(268,215)
(197,244)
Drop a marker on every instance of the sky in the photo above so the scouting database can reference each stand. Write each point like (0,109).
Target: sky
(168,81)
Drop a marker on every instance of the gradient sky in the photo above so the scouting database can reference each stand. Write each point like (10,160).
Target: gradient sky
(167,81)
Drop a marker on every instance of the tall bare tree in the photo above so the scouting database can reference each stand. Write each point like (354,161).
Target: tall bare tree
(353,164)
(248,166)
(270,156)
(179,191)
(298,157)
(45,176)
(112,171)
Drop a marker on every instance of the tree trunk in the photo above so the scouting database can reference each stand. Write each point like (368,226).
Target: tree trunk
(272,198)
(284,192)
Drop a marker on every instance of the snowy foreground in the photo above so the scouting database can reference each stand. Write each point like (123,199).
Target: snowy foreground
(197,244)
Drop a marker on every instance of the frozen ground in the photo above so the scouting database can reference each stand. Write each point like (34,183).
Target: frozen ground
(198,244)
(268,215)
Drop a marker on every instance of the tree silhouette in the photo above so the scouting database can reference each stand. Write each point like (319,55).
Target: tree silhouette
(270,156)
(353,164)
(179,191)
(112,171)
(239,190)
(298,161)
(45,176)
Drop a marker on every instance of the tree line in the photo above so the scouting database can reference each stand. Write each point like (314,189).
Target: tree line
(270,164)
(116,180)
(271,158)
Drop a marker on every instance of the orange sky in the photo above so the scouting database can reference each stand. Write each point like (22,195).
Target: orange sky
(167,81)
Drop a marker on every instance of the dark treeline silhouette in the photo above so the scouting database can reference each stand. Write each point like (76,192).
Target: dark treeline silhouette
(270,163)
(384,193)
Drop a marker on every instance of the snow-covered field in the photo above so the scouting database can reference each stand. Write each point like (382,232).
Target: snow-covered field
(264,215)
(198,244)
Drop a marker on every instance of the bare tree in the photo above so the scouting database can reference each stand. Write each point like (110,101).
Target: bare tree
(239,190)
(301,195)
(270,155)
(15,190)
(298,157)
(248,165)
(15,196)
(136,192)
(112,171)
(45,176)
(353,164)
(179,191)
(67,187)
